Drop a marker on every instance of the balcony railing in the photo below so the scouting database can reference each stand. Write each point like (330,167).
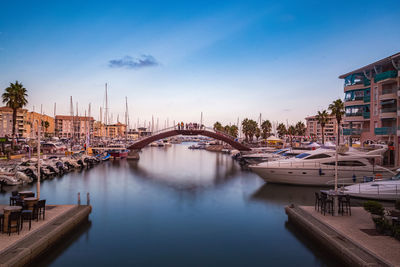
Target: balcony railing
(385,75)
(353,131)
(366,115)
(367,98)
(389,110)
(385,131)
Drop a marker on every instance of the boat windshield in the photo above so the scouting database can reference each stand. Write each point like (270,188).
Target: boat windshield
(278,152)
(302,155)
(396,177)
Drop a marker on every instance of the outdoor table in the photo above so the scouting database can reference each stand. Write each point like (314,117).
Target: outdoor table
(7,211)
(335,195)
(23,194)
(30,202)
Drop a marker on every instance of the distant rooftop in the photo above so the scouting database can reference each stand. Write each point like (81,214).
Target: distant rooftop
(371,66)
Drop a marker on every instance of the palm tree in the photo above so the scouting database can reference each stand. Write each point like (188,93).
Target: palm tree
(258,133)
(15,98)
(322,118)
(292,132)
(266,127)
(245,127)
(217,126)
(300,128)
(281,130)
(337,109)
(249,128)
(227,129)
(233,131)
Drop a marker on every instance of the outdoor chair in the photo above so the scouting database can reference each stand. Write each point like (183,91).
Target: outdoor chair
(344,202)
(28,215)
(19,202)
(14,197)
(326,203)
(14,221)
(318,201)
(41,205)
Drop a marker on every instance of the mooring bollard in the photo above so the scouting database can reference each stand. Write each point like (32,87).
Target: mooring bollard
(79,198)
(88,198)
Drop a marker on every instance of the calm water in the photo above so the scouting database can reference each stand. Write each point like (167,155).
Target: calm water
(178,207)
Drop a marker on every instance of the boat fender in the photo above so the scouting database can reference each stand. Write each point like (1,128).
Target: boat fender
(354,178)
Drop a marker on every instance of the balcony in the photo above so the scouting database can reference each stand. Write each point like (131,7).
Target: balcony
(387,113)
(385,75)
(388,94)
(352,131)
(385,131)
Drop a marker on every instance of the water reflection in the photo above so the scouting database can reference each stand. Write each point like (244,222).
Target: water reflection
(178,207)
(280,194)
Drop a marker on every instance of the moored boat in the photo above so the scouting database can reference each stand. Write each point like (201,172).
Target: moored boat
(317,168)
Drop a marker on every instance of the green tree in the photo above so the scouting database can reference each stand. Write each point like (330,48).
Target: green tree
(15,98)
(292,132)
(249,128)
(337,109)
(281,130)
(266,127)
(300,128)
(227,129)
(258,133)
(233,131)
(322,118)
(218,126)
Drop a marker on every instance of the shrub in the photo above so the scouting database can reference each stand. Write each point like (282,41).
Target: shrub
(397,204)
(374,207)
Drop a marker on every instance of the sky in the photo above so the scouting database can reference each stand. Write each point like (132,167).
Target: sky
(173,60)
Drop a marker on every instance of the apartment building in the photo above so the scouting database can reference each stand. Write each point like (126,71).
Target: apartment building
(372,103)
(73,126)
(31,124)
(6,115)
(314,128)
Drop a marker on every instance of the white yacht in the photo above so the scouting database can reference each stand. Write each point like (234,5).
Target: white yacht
(378,189)
(317,167)
(280,154)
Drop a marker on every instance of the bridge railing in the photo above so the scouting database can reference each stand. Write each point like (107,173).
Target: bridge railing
(220,133)
(176,127)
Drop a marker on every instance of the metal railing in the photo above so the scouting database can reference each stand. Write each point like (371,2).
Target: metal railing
(210,129)
(385,75)
(385,130)
(382,189)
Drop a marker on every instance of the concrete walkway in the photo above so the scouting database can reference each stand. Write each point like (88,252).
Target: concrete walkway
(385,247)
(52,211)
(19,250)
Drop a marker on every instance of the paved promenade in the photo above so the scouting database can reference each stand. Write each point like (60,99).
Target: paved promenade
(18,250)
(385,247)
(344,237)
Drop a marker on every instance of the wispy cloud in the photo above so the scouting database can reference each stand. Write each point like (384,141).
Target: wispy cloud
(129,62)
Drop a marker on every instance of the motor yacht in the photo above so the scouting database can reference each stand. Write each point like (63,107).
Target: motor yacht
(317,168)
(280,154)
(378,189)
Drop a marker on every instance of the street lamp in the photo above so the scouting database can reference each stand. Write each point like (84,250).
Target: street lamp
(38,153)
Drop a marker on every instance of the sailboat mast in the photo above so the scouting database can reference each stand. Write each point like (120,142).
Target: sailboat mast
(126,120)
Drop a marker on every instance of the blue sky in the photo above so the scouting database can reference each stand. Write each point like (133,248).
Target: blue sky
(175,59)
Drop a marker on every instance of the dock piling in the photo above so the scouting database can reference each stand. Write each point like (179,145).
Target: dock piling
(79,198)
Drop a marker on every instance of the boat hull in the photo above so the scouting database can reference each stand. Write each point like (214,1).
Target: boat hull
(316,176)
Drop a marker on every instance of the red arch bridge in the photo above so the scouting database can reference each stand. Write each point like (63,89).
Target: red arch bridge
(173,131)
